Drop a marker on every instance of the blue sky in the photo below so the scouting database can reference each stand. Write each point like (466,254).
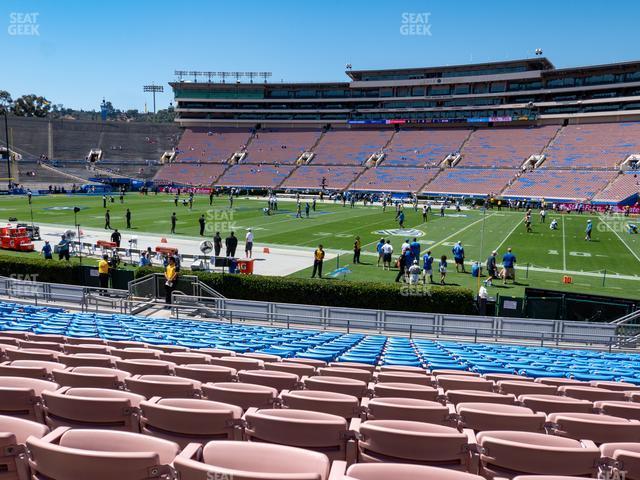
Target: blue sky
(87,50)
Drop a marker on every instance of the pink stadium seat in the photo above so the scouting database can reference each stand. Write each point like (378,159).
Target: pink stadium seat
(404,377)
(186,420)
(622,187)
(403,441)
(507,454)
(91,377)
(299,369)
(22,397)
(30,368)
(412,409)
(494,416)
(182,358)
(206,373)
(88,360)
(459,396)
(70,349)
(406,390)
(456,382)
(136,353)
(306,361)
(270,378)
(361,366)
(593,394)
(346,372)
(385,471)
(92,408)
(621,457)
(628,410)
(497,377)
(211,145)
(144,366)
(239,363)
(13,437)
(317,431)
(100,455)
(348,386)
(517,388)
(245,395)
(572,185)
(265,357)
(349,147)
(180,173)
(595,427)
(40,354)
(458,373)
(345,406)
(555,403)
(250,461)
(163,386)
(385,179)
(41,345)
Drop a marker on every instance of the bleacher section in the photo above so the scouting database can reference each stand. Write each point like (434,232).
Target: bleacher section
(578,185)
(349,147)
(72,139)
(626,185)
(280,146)
(310,176)
(470,181)
(394,179)
(154,398)
(211,145)
(598,145)
(190,174)
(255,176)
(505,147)
(419,148)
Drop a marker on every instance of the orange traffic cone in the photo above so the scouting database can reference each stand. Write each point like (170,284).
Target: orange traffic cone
(265,250)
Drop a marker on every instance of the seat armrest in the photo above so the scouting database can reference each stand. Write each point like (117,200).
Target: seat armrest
(191,451)
(338,470)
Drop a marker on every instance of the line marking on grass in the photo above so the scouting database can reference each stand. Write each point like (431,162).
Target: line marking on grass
(620,238)
(564,247)
(507,237)
(460,231)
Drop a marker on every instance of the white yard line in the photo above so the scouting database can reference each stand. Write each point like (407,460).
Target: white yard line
(620,238)
(507,237)
(460,231)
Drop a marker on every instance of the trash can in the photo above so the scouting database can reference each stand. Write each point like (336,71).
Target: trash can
(246,266)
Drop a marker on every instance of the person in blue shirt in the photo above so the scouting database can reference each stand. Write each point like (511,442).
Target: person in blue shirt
(144,260)
(508,262)
(588,231)
(408,256)
(379,250)
(415,249)
(401,219)
(458,256)
(427,266)
(47,251)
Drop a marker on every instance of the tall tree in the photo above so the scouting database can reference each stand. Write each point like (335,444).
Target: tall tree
(5,101)
(31,106)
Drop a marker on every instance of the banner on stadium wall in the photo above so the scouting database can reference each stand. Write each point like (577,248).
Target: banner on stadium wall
(401,121)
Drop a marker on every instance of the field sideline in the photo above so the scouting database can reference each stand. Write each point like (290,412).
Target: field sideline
(544,256)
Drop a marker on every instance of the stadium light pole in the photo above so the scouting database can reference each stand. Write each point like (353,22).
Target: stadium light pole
(153,88)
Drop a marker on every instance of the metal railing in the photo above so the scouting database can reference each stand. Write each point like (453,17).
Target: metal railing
(410,324)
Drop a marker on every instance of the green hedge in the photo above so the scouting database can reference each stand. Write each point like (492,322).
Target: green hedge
(338,293)
(36,268)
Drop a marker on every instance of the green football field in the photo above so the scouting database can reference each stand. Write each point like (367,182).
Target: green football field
(608,265)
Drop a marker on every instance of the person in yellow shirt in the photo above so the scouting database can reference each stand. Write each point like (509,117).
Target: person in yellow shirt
(170,276)
(103,272)
(318,258)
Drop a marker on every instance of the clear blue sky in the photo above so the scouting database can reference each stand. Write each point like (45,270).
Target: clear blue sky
(87,50)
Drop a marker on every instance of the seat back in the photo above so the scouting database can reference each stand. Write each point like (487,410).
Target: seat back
(163,386)
(244,395)
(346,406)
